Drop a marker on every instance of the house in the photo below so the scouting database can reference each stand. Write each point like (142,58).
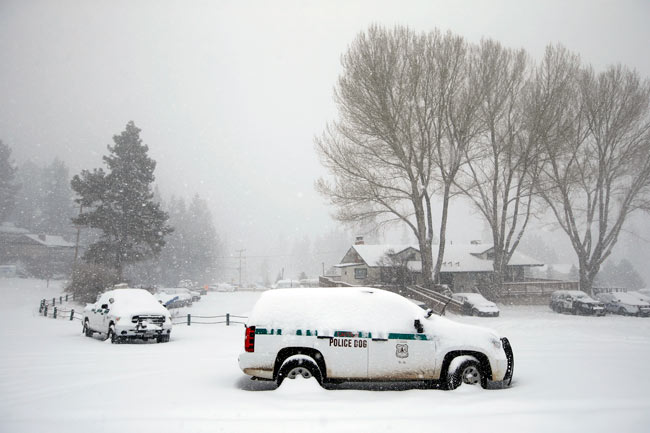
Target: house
(465,266)
(40,255)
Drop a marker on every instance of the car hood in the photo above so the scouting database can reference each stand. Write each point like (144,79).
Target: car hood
(450,335)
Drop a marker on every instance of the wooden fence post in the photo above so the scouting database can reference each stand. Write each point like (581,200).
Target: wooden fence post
(71,314)
(227,319)
(45,310)
(189,319)
(54,316)
(53,301)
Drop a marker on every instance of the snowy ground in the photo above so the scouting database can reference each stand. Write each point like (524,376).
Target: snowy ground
(571,374)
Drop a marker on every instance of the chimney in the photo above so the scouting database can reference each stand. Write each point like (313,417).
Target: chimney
(359,241)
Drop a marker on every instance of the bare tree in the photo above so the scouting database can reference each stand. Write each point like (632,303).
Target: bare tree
(407,110)
(502,164)
(598,162)
(380,163)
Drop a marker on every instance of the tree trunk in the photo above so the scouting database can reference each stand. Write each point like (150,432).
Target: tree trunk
(443,235)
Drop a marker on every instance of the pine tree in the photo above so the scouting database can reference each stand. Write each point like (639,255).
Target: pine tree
(8,188)
(120,203)
(57,205)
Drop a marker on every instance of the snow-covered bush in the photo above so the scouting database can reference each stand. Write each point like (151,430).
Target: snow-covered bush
(89,280)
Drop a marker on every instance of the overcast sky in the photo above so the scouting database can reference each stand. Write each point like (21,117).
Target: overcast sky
(229,95)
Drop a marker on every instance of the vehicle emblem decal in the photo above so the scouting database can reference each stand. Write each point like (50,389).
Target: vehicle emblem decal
(402,350)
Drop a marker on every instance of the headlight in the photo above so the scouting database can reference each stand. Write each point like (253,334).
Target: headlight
(496,342)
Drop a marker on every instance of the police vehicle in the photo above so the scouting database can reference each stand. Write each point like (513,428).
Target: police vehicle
(367,334)
(125,313)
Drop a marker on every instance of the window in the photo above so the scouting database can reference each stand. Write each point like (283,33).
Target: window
(360,273)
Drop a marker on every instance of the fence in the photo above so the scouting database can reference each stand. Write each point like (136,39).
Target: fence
(223,318)
(50,309)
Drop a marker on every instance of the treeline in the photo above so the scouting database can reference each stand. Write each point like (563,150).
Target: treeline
(127,231)
(427,116)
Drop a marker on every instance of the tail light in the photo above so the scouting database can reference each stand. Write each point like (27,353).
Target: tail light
(249,341)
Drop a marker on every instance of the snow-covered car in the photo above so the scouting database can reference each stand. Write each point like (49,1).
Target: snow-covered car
(575,302)
(624,304)
(365,334)
(644,291)
(474,304)
(286,284)
(185,297)
(167,301)
(222,287)
(122,314)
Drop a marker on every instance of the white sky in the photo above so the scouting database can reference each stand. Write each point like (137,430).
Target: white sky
(229,95)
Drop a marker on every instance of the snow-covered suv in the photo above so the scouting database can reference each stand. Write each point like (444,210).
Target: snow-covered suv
(361,333)
(125,313)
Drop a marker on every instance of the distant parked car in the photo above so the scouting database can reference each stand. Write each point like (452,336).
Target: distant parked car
(576,302)
(125,313)
(185,297)
(286,284)
(644,291)
(625,304)
(474,304)
(222,287)
(167,301)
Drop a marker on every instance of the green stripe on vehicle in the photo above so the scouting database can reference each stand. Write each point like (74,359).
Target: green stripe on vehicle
(397,336)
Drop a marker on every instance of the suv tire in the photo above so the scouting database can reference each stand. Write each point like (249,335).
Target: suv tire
(86,330)
(468,372)
(299,365)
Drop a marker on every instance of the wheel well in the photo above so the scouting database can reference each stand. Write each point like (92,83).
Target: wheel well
(486,370)
(290,351)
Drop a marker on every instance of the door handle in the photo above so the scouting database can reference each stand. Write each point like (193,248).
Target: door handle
(380,339)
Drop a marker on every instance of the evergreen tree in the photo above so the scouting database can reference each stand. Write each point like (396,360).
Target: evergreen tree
(202,240)
(27,212)
(8,188)
(120,203)
(57,202)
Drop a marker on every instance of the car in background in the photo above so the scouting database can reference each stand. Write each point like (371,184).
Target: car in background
(640,296)
(474,304)
(575,302)
(625,304)
(167,301)
(286,284)
(123,314)
(222,287)
(644,291)
(185,297)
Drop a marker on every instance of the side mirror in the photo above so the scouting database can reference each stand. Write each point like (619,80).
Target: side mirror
(418,326)
(104,306)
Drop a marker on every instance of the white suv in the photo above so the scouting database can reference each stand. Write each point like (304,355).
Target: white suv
(360,333)
(122,314)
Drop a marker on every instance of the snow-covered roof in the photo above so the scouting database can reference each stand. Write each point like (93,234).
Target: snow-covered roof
(372,254)
(50,241)
(10,228)
(457,257)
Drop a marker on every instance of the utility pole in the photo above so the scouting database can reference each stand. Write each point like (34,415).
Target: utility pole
(240,259)
(76,246)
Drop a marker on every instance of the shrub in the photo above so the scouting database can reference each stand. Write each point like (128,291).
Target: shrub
(89,280)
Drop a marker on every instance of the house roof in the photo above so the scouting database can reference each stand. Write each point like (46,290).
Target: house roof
(457,257)
(372,254)
(51,241)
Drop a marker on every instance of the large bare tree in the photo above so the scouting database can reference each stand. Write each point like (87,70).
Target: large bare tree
(598,163)
(397,141)
(502,163)
(380,170)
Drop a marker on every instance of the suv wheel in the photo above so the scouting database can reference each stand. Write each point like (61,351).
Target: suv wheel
(113,336)
(86,330)
(299,365)
(468,372)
